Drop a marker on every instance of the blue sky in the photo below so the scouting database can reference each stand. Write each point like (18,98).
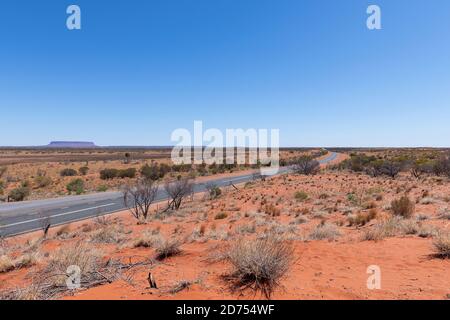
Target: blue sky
(140,69)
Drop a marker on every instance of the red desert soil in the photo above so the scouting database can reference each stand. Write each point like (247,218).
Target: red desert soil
(333,268)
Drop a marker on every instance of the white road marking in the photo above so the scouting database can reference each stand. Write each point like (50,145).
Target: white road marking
(56,215)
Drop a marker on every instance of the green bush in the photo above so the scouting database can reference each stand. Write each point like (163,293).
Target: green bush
(76,185)
(68,172)
(42,181)
(19,194)
(107,174)
(2,187)
(127,173)
(301,196)
(102,188)
(155,171)
(83,170)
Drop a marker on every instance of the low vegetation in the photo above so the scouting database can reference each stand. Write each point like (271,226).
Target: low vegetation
(68,172)
(165,248)
(441,245)
(403,207)
(75,186)
(259,264)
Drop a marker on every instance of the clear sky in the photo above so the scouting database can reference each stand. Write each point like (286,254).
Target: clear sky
(137,70)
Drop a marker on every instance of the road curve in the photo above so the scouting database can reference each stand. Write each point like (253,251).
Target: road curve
(23,217)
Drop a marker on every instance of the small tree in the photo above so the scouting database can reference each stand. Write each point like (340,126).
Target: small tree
(127,157)
(177,191)
(391,168)
(442,166)
(139,198)
(306,165)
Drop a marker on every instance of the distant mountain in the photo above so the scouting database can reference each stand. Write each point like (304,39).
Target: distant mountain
(71,144)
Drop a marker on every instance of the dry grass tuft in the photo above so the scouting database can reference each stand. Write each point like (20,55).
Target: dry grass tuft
(325,231)
(146,240)
(362,218)
(403,207)
(441,245)
(394,226)
(8,264)
(108,234)
(259,264)
(166,248)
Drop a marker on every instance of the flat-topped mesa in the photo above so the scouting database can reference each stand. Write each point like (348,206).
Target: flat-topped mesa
(71,144)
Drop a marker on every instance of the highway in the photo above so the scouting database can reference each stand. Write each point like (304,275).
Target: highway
(28,216)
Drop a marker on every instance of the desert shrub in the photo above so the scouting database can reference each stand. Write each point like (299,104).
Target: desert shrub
(165,248)
(127,173)
(102,188)
(306,165)
(2,187)
(357,162)
(42,181)
(441,245)
(325,231)
(19,194)
(220,216)
(362,218)
(421,167)
(76,185)
(178,190)
(3,171)
(63,232)
(246,228)
(271,210)
(391,227)
(403,207)
(442,166)
(77,254)
(8,264)
(108,234)
(427,231)
(213,190)
(108,174)
(391,168)
(83,170)
(146,240)
(301,196)
(68,172)
(259,264)
(154,172)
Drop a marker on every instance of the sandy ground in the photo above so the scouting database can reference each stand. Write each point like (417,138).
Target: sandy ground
(332,268)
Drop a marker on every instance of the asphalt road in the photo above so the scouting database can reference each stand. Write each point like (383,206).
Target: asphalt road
(22,217)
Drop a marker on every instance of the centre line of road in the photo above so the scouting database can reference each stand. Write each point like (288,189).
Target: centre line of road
(56,215)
